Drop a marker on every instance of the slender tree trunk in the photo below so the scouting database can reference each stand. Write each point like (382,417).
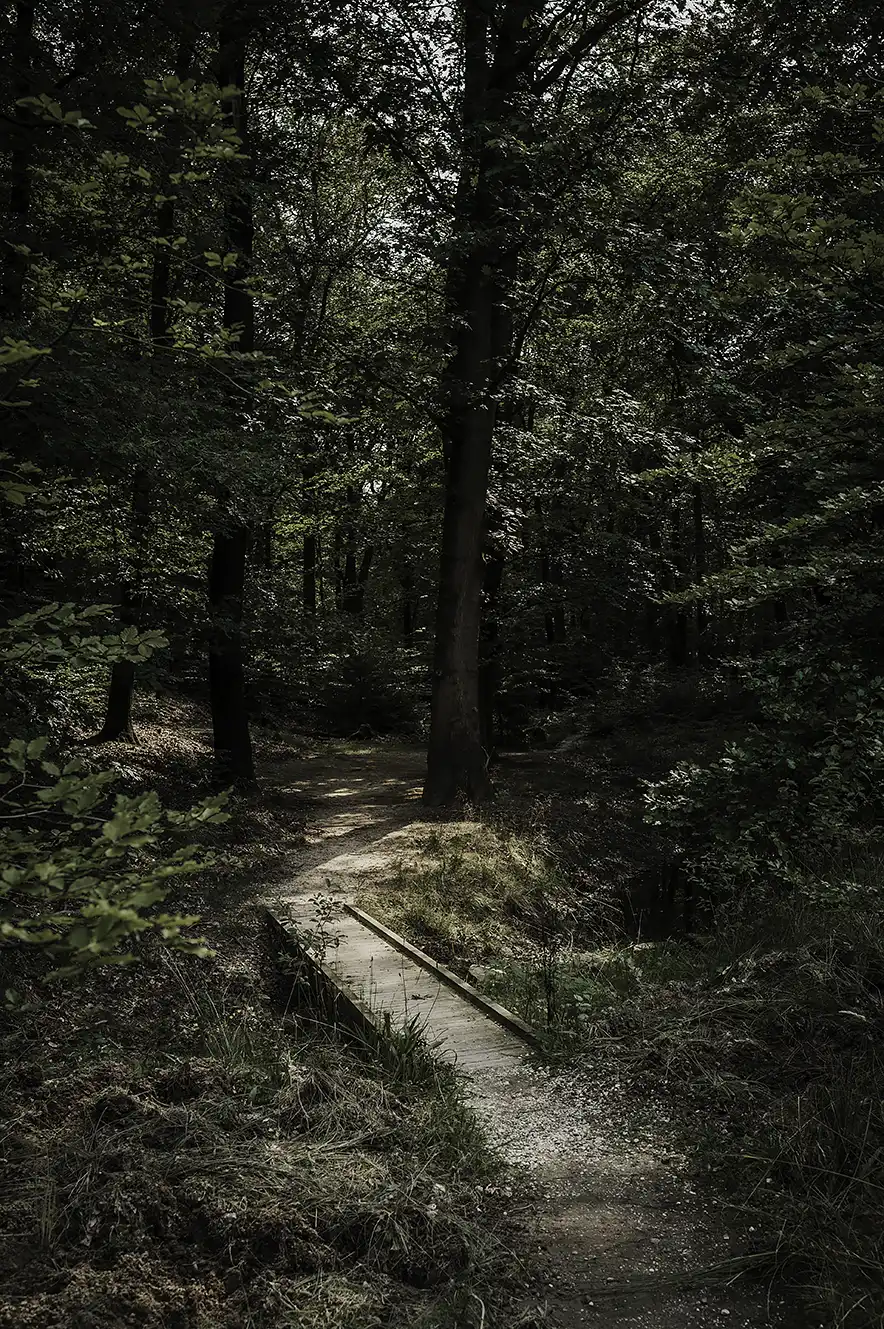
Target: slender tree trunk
(549,628)
(310,549)
(355,570)
(117,726)
(308,575)
(230,728)
(21,152)
(678,626)
(234,763)
(408,606)
(320,573)
(699,563)
(265,545)
(489,647)
(355,580)
(338,570)
(557,581)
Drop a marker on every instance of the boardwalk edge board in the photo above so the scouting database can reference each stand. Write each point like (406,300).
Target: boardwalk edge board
(492,1009)
(339,1006)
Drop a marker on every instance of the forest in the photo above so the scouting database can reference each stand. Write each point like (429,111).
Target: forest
(455,427)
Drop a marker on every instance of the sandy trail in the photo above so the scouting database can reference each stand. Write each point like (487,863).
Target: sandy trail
(612,1198)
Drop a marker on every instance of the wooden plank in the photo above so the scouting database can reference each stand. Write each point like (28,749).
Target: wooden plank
(337,1005)
(492,1009)
(376,983)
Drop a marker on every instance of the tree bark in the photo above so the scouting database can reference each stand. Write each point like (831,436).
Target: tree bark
(553,576)
(230,727)
(308,575)
(699,563)
(456,759)
(265,550)
(489,647)
(117,726)
(409,608)
(234,762)
(310,549)
(355,580)
(502,88)
(677,621)
(481,268)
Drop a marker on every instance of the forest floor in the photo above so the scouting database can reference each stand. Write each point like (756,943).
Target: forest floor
(156,1152)
(176,1154)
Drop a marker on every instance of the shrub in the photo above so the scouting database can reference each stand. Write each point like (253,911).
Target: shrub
(79,875)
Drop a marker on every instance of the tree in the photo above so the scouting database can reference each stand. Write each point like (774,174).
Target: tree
(21,153)
(117,723)
(233,537)
(507,87)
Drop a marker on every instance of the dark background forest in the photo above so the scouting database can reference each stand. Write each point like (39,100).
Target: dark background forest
(499,379)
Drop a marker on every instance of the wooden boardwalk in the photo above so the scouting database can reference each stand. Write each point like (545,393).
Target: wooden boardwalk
(391,983)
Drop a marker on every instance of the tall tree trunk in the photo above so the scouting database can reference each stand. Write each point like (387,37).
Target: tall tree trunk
(502,87)
(117,726)
(310,549)
(21,150)
(480,327)
(456,758)
(355,580)
(552,574)
(230,728)
(355,569)
(699,563)
(265,545)
(549,627)
(677,621)
(337,551)
(234,763)
(409,608)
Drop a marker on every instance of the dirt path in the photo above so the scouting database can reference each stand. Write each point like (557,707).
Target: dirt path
(612,1197)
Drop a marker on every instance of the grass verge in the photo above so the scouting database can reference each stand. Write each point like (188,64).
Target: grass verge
(471,893)
(766,1035)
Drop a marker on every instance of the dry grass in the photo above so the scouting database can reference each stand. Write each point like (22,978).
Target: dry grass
(173,1156)
(473,891)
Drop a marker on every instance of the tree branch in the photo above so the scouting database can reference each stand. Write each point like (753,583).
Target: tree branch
(586,42)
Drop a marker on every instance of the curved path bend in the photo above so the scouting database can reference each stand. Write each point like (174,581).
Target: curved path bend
(616,1218)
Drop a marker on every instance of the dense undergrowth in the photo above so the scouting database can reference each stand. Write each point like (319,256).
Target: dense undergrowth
(766,1028)
(182,1149)
(173,1157)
